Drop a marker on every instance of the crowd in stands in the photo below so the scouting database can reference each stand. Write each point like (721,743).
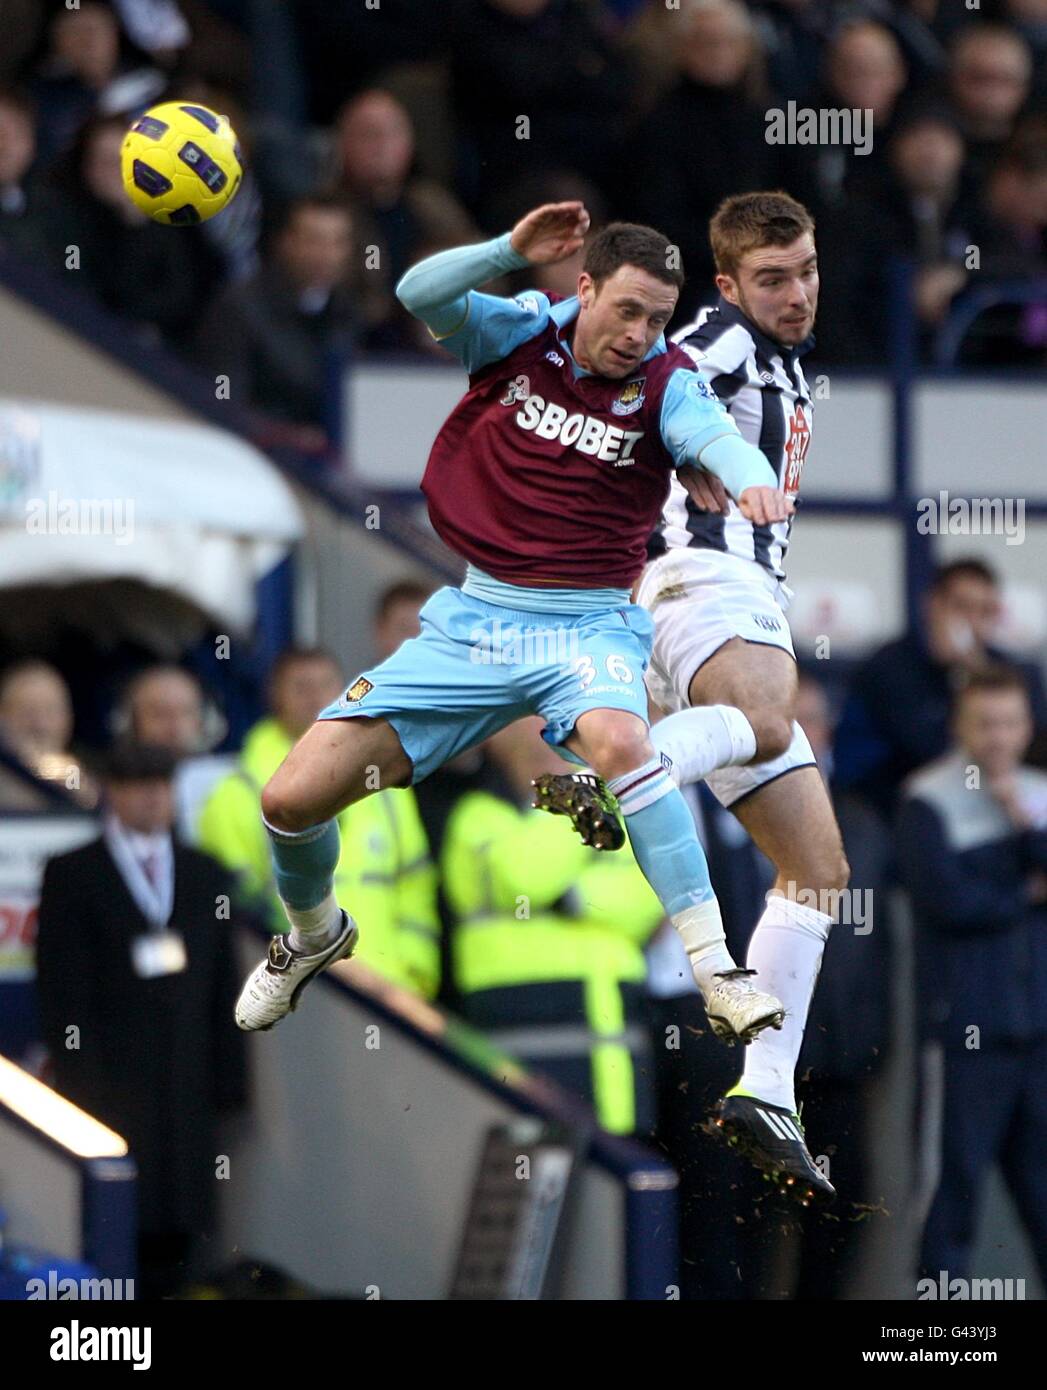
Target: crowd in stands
(375,136)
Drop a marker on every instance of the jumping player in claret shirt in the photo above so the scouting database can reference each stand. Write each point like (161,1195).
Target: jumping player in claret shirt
(548,478)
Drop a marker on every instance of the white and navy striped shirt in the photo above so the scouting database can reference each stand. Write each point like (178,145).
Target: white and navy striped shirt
(763,387)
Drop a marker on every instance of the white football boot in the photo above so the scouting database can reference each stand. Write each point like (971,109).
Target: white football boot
(737,1010)
(273,987)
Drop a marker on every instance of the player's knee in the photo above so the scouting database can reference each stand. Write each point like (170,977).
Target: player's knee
(282,808)
(774,734)
(618,749)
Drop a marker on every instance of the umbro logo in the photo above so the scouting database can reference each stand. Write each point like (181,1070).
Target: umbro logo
(554,358)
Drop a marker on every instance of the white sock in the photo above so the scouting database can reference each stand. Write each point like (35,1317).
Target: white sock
(699,740)
(786,952)
(313,928)
(701,930)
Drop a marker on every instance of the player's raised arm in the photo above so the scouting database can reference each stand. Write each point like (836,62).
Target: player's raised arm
(699,432)
(479,328)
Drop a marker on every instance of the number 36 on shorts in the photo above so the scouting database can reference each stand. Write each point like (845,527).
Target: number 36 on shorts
(617,668)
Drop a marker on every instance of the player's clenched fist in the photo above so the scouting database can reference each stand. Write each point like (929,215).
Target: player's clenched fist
(550,233)
(765,505)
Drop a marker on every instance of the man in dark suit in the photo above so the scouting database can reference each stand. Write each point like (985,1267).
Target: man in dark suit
(136,981)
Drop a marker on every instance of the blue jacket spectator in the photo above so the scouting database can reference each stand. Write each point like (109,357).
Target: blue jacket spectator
(896,715)
(972,847)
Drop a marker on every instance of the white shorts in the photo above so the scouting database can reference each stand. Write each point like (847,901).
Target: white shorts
(700,599)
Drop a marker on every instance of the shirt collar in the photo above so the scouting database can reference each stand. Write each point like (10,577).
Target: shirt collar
(731,313)
(566,311)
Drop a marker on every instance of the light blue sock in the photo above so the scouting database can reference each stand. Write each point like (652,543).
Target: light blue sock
(663,837)
(304,863)
(665,842)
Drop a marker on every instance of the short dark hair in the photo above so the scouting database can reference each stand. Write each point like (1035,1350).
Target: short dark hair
(403,591)
(631,243)
(993,677)
(969,568)
(130,761)
(748,221)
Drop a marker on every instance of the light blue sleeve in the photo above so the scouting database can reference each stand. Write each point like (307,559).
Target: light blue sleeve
(477,328)
(494,327)
(697,429)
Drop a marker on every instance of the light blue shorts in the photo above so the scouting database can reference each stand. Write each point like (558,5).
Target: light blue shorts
(477,666)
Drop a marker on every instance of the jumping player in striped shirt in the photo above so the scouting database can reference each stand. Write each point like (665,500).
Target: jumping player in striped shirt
(548,478)
(723,663)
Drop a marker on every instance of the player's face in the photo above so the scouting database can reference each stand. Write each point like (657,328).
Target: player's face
(994,728)
(620,320)
(777,288)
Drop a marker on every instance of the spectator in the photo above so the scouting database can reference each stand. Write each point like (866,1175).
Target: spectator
(548,945)
(36,723)
(346,47)
(21,23)
(703,140)
(166,706)
(401,216)
(384,876)
(273,336)
(136,979)
(1011,237)
(91,68)
(896,715)
(92,234)
(396,615)
(863,70)
(1029,18)
(920,209)
(989,79)
(972,843)
(17,155)
(794,35)
(553,63)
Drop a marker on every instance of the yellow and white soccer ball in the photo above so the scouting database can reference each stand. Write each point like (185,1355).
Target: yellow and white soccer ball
(181,163)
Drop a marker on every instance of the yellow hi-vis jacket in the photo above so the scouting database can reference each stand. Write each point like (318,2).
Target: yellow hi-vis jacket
(384,878)
(536,907)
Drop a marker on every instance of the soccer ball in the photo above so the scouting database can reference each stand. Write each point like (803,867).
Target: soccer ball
(181,163)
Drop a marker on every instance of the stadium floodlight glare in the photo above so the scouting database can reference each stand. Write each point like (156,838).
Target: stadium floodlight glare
(55,1116)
